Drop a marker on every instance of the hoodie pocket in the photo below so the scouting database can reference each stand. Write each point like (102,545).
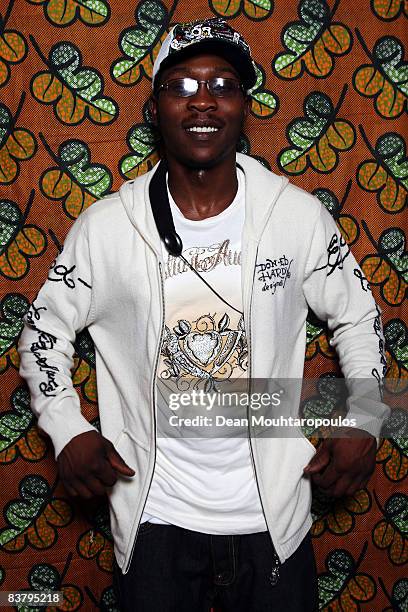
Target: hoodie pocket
(311,448)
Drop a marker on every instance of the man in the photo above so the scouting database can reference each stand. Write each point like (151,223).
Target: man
(170,276)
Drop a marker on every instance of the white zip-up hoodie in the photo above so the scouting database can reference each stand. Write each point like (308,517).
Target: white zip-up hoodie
(108,278)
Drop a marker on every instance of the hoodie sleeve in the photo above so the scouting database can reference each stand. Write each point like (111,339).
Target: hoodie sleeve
(337,291)
(62,308)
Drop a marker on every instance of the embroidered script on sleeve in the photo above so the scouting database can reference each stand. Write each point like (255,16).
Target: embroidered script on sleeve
(381,350)
(64,274)
(46,341)
(336,254)
(365,285)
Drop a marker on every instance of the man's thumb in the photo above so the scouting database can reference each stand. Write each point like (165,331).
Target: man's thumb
(118,463)
(319,461)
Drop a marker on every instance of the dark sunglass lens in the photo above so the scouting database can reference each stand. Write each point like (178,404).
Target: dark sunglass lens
(223,87)
(182,87)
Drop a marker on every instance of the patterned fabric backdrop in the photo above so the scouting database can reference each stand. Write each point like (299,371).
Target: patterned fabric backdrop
(328,110)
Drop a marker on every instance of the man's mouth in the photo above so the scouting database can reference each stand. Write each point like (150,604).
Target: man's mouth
(202,129)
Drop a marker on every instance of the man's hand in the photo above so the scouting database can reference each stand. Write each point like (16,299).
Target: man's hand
(89,464)
(343,465)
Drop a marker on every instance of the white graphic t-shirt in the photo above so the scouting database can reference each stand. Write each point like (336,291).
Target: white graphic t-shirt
(204,483)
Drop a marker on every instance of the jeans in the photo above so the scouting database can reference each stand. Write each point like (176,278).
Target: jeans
(177,570)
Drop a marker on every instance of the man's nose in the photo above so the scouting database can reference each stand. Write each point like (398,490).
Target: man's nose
(203,99)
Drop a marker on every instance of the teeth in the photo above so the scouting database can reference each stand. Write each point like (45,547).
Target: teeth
(202,129)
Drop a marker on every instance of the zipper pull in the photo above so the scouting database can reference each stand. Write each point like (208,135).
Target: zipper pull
(275,573)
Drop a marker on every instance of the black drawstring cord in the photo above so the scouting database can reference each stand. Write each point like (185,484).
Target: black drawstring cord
(208,285)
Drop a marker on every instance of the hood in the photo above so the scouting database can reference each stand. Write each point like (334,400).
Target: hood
(263,189)
(134,196)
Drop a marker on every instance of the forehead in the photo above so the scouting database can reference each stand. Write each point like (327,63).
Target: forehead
(202,65)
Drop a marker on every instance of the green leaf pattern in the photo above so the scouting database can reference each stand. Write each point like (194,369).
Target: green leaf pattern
(35,493)
(139,42)
(14,424)
(13,307)
(389,53)
(142,142)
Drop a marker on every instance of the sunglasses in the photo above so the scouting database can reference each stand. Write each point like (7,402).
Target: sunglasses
(217,86)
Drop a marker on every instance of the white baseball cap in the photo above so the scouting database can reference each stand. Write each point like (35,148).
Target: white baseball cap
(206,36)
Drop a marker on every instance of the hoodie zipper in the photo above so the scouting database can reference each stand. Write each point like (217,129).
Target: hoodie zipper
(154,407)
(275,572)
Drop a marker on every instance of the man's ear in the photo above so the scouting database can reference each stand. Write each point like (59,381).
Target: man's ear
(247,107)
(152,105)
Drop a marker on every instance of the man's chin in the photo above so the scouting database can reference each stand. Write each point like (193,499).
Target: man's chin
(205,162)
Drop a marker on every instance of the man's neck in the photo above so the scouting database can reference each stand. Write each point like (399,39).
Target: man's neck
(203,192)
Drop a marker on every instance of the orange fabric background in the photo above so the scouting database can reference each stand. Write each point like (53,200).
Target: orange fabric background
(66,542)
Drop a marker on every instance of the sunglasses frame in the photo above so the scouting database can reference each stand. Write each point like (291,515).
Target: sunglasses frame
(165,86)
